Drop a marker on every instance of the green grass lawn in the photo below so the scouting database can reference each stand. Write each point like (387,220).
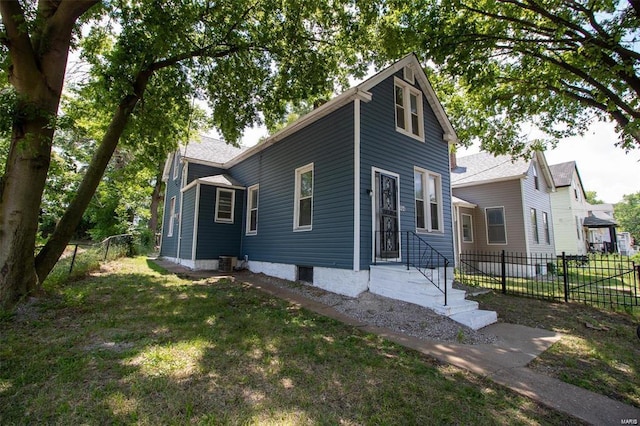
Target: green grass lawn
(132,344)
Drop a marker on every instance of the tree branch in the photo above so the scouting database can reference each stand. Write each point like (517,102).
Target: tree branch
(590,80)
(24,67)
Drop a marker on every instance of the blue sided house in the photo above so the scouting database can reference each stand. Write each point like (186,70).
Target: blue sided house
(353,196)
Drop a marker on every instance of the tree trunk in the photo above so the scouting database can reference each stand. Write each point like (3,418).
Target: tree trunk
(156,198)
(51,252)
(37,67)
(20,195)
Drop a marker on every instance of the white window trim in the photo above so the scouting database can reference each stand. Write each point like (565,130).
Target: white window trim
(185,175)
(172,216)
(176,165)
(426,202)
(233,205)
(407,89)
(536,180)
(470,227)
(486,221)
(248,230)
(296,197)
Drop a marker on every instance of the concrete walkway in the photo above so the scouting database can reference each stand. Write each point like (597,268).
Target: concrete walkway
(504,362)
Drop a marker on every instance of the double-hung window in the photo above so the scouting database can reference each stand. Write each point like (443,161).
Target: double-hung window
(496,226)
(545,225)
(428,199)
(172,216)
(534,226)
(303,207)
(408,106)
(225,201)
(252,210)
(467,228)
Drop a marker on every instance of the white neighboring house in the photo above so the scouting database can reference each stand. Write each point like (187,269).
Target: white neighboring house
(579,227)
(569,209)
(601,228)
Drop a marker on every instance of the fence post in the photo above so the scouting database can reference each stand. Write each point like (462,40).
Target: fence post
(106,252)
(565,277)
(636,281)
(73,259)
(504,272)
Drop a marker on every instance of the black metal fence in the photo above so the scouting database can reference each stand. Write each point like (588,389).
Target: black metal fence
(595,279)
(122,240)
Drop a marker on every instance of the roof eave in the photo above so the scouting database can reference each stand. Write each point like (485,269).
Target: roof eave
(318,113)
(487,181)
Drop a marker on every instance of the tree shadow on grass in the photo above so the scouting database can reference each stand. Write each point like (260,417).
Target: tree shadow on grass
(144,347)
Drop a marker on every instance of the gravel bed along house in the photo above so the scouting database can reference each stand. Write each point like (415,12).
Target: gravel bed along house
(403,317)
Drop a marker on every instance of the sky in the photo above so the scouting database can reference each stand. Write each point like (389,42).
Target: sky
(603,167)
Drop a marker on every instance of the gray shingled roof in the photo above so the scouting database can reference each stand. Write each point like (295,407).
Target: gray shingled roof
(210,149)
(487,167)
(563,173)
(596,222)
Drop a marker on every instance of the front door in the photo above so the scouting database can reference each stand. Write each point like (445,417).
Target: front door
(387,229)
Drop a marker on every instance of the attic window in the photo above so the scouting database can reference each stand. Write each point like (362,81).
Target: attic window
(408,104)
(408,75)
(536,181)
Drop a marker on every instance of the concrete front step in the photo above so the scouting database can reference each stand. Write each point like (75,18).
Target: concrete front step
(475,319)
(396,282)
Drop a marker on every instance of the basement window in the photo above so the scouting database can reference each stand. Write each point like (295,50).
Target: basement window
(305,274)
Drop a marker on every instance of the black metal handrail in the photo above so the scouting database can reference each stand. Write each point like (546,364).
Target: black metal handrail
(419,254)
(422,256)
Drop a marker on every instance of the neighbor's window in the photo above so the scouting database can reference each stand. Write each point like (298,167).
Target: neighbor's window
(467,228)
(252,210)
(408,102)
(576,194)
(534,225)
(536,181)
(225,201)
(303,208)
(545,224)
(172,216)
(428,196)
(496,226)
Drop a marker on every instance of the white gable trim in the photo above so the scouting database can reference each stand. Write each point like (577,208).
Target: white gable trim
(546,171)
(167,166)
(412,61)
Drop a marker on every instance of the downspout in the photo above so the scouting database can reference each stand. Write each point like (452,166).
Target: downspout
(196,215)
(164,212)
(356,185)
(526,220)
(180,219)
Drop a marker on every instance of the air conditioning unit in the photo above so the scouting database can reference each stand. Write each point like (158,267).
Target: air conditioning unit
(227,263)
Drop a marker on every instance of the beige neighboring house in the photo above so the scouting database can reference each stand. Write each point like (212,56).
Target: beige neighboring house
(502,204)
(579,227)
